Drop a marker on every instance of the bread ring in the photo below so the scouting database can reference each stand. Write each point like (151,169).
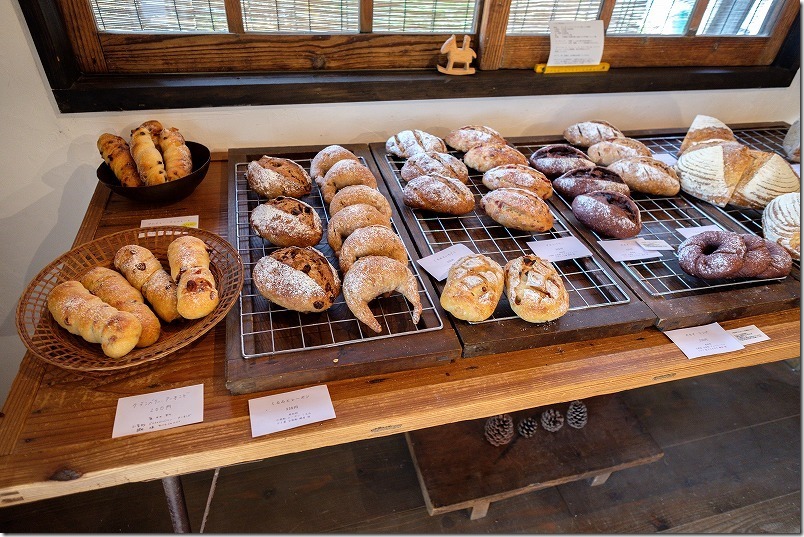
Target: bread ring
(328,156)
(354,194)
(342,174)
(372,276)
(780,261)
(349,219)
(712,254)
(371,240)
(757,257)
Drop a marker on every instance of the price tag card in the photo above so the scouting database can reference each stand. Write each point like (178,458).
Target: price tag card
(654,244)
(704,340)
(667,158)
(688,232)
(627,250)
(159,410)
(439,263)
(748,334)
(559,249)
(796,168)
(185,221)
(575,42)
(288,410)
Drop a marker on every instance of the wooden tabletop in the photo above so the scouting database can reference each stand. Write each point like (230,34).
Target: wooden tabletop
(55,428)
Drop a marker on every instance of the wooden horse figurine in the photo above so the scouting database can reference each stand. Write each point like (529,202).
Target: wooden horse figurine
(462,55)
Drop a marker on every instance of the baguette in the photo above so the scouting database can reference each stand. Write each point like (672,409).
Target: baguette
(117,155)
(147,157)
(176,154)
(197,295)
(111,287)
(80,312)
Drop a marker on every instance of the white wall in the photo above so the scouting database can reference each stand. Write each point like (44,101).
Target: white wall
(48,159)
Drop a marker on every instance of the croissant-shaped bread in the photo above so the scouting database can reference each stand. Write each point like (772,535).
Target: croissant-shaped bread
(80,312)
(147,157)
(116,153)
(177,158)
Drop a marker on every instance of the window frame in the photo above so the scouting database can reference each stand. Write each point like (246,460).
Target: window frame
(81,84)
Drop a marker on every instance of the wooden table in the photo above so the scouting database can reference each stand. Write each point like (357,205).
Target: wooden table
(55,428)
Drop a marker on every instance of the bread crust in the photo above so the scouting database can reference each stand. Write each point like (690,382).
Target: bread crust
(535,290)
(287,221)
(518,176)
(473,288)
(438,193)
(298,279)
(487,156)
(516,208)
(271,177)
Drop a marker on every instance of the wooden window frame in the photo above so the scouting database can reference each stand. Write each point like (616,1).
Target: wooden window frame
(323,69)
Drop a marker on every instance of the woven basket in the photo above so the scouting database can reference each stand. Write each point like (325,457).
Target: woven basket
(47,340)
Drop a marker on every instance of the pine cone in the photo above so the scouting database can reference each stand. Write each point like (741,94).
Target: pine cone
(499,429)
(552,420)
(577,415)
(527,427)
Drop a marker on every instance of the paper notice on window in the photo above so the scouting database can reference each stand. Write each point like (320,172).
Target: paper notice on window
(575,43)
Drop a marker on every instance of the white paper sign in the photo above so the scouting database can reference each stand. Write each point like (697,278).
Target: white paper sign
(439,263)
(559,249)
(284,411)
(667,158)
(748,334)
(704,340)
(654,244)
(575,42)
(796,168)
(185,221)
(688,232)
(627,250)
(159,410)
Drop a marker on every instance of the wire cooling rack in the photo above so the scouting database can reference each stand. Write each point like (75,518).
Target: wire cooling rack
(587,281)
(268,329)
(663,216)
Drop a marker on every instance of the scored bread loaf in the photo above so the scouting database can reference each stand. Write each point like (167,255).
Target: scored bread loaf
(487,156)
(648,175)
(299,279)
(518,176)
(196,294)
(588,133)
(145,273)
(433,162)
(81,313)
(177,158)
(147,157)
(473,288)
(607,152)
(535,290)
(111,287)
(781,222)
(710,171)
(287,221)
(468,136)
(117,154)
(768,177)
(555,160)
(585,180)
(516,208)
(706,129)
(271,177)
(438,193)
(407,143)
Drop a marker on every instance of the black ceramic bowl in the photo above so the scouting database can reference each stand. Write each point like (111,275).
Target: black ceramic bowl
(166,192)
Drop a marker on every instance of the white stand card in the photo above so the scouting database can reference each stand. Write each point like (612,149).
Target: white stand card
(159,410)
(439,263)
(705,340)
(688,232)
(667,158)
(627,250)
(184,221)
(288,410)
(749,334)
(575,43)
(559,249)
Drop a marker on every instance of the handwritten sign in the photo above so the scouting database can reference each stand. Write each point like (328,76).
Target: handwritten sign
(159,410)
(575,43)
(439,263)
(748,334)
(288,410)
(559,249)
(704,340)
(654,244)
(627,250)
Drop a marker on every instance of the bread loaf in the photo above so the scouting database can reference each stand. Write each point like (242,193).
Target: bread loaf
(585,180)
(324,159)
(706,129)
(432,162)
(373,276)
(349,219)
(609,151)
(768,177)
(517,208)
(371,240)
(117,155)
(711,171)
(781,223)
(518,176)
(647,175)
(557,159)
(609,213)
(487,156)
(792,141)
(407,143)
(299,279)
(111,287)
(467,137)
(354,194)
(176,154)
(196,293)
(145,273)
(587,133)
(342,174)
(535,290)
(162,293)
(147,157)
(80,312)
(438,193)
(271,177)
(473,288)
(153,127)
(287,222)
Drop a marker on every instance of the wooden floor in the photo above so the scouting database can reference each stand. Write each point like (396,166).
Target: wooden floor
(732,463)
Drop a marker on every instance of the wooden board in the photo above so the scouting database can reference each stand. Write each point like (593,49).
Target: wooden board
(269,347)
(600,303)
(459,469)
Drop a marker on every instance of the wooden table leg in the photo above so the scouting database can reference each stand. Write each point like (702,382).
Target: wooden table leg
(174,493)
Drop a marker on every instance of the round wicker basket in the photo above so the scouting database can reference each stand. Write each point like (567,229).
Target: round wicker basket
(55,345)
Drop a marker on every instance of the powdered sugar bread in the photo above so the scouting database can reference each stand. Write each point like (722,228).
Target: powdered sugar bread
(299,279)
(555,160)
(354,194)
(518,176)
(587,133)
(608,151)
(407,143)
(609,213)
(473,288)
(712,254)
(433,162)
(585,180)
(342,174)
(781,222)
(373,276)
(487,156)
(324,159)
(516,208)
(349,219)
(196,292)
(468,136)
(287,222)
(535,290)
(648,175)
(371,240)
(274,176)
(438,193)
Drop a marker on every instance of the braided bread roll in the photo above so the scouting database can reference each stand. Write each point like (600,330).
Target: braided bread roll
(177,158)
(80,312)
(145,273)
(111,287)
(147,157)
(197,295)
(117,155)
